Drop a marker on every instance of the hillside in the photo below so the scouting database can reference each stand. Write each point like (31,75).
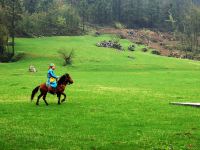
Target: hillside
(116,102)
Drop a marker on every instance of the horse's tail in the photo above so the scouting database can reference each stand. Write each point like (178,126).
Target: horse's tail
(34,92)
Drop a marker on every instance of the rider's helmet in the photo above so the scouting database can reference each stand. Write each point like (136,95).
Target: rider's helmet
(52,65)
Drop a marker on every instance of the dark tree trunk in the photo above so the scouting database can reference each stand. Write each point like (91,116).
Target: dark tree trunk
(83,22)
(13,27)
(1,49)
(119,10)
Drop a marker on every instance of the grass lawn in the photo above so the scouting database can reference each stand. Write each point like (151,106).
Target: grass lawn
(115,103)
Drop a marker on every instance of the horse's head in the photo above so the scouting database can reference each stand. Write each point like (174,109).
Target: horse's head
(65,79)
(69,80)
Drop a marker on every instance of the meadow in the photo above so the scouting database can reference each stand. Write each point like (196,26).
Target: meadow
(115,102)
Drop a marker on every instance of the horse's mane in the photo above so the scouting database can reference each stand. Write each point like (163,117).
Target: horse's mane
(62,79)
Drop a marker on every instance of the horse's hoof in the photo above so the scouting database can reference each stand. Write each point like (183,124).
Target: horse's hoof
(63,100)
(59,103)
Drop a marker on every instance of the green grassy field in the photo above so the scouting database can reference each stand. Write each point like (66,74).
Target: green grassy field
(115,103)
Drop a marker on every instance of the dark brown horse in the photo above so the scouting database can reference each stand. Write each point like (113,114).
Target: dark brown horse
(44,89)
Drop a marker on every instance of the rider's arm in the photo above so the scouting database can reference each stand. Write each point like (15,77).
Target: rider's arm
(53,75)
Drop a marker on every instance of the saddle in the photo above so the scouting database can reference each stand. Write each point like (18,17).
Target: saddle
(51,89)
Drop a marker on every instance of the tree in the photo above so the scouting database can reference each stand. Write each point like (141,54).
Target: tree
(3,39)
(13,10)
(117,10)
(31,6)
(172,21)
(50,17)
(101,12)
(83,11)
(192,31)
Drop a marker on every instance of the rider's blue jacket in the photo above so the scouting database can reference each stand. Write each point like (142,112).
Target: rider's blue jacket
(51,78)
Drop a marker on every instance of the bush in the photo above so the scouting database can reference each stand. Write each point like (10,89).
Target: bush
(155,52)
(97,34)
(110,44)
(18,57)
(119,25)
(131,48)
(67,56)
(8,57)
(115,39)
(145,49)
(139,43)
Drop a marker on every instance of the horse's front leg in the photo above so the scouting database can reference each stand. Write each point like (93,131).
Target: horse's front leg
(64,99)
(59,95)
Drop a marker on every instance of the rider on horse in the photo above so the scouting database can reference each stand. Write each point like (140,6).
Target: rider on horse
(52,78)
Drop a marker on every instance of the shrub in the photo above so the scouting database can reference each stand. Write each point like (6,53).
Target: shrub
(144,49)
(155,52)
(110,44)
(115,39)
(119,25)
(97,34)
(139,42)
(18,57)
(8,57)
(131,48)
(67,56)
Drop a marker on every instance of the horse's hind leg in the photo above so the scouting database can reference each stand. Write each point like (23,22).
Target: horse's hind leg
(64,99)
(38,99)
(59,95)
(44,98)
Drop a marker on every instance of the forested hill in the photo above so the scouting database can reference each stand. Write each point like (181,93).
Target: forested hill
(67,17)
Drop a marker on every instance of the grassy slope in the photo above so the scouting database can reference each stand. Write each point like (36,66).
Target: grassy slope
(115,103)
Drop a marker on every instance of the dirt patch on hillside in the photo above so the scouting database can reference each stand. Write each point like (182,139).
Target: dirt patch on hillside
(165,43)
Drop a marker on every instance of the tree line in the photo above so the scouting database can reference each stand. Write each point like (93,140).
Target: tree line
(64,17)
(71,17)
